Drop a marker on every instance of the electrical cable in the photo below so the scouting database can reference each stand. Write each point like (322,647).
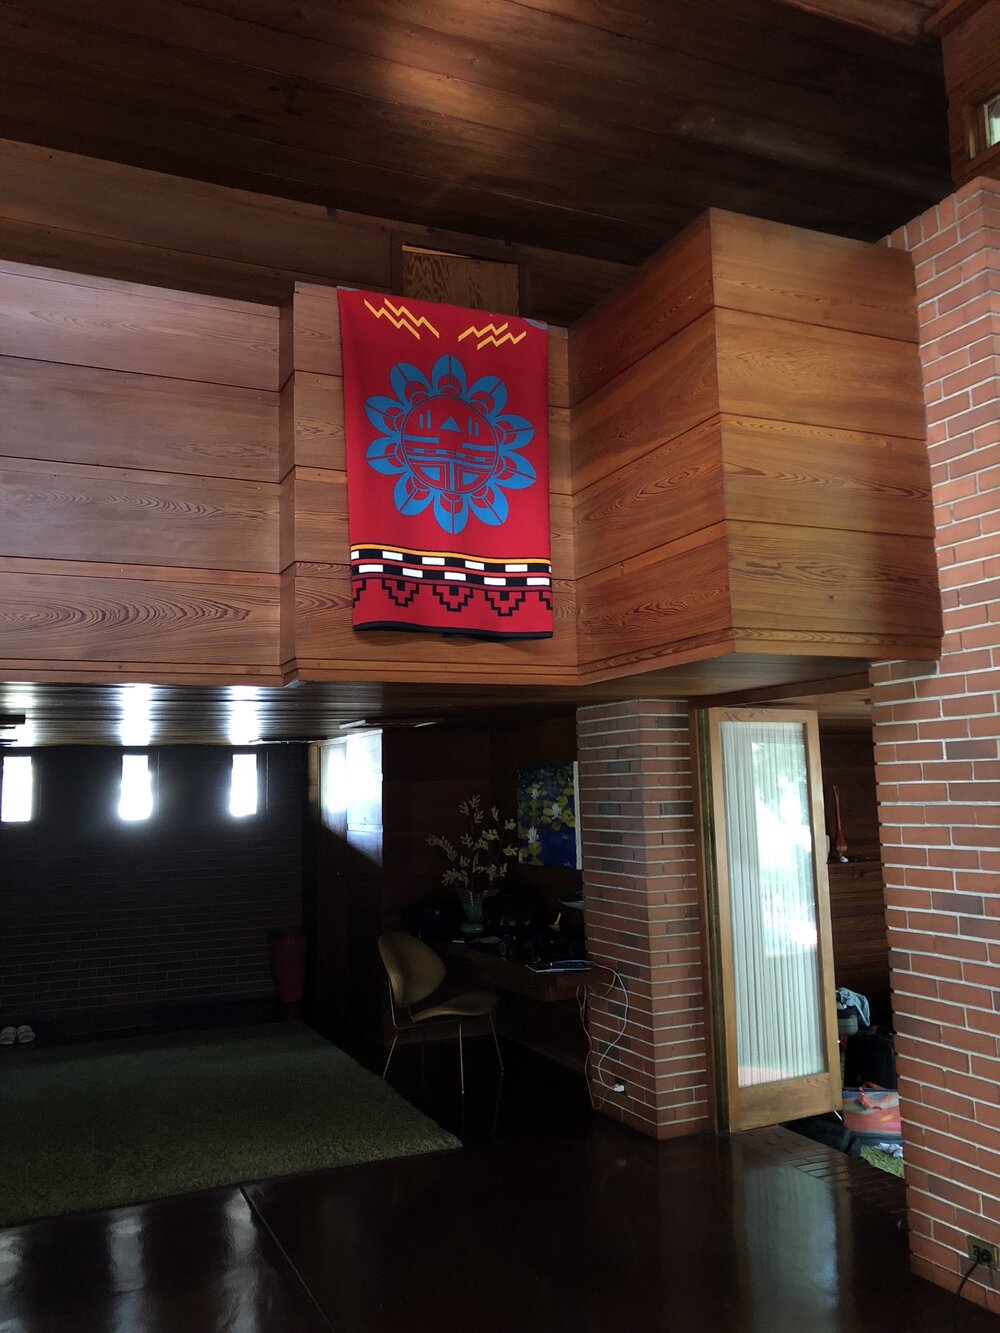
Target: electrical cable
(958,1294)
(583,995)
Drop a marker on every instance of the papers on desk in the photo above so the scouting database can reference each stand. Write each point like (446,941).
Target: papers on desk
(560,965)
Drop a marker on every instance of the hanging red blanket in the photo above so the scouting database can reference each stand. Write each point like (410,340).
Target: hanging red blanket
(446,415)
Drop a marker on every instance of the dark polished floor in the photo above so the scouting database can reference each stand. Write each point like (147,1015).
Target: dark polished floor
(549,1219)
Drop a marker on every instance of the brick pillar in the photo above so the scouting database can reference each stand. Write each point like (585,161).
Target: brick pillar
(642,914)
(937,739)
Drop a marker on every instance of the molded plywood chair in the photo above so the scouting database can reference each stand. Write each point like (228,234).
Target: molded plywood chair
(415,971)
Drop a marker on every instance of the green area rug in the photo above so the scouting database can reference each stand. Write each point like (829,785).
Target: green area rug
(883,1160)
(115,1122)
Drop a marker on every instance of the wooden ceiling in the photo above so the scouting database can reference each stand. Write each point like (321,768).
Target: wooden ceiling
(902,20)
(582,125)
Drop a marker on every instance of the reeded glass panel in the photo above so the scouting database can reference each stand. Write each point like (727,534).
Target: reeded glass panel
(779,1016)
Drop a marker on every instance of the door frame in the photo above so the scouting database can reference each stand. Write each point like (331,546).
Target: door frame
(789,1099)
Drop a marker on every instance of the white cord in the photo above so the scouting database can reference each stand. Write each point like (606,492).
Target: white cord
(583,995)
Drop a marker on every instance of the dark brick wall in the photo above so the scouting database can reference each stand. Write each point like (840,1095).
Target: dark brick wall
(98,913)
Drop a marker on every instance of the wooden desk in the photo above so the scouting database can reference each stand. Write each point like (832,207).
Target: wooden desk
(487,969)
(553,1030)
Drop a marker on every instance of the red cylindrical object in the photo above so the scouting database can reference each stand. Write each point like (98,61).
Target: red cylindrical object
(288,964)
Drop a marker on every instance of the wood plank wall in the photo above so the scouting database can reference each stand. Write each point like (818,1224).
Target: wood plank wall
(749,454)
(138,480)
(62,210)
(857,888)
(737,466)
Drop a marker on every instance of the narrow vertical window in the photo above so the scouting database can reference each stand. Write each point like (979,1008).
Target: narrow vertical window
(991,121)
(243,786)
(136,799)
(17,799)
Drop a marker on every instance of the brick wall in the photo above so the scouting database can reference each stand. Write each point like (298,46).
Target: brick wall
(97,913)
(642,914)
(937,736)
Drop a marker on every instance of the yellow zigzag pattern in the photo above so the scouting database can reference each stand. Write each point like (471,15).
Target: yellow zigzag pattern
(491,334)
(401,318)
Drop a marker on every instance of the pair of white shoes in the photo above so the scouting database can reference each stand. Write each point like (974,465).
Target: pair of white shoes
(23,1035)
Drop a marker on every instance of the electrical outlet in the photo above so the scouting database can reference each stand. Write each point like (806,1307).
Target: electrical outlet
(983,1252)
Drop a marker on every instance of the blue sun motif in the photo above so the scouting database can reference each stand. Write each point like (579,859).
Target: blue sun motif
(450,444)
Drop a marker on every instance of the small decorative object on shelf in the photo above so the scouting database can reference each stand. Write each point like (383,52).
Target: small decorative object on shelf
(839,841)
(480,862)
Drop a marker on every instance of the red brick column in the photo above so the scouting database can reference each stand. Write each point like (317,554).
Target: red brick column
(642,914)
(937,738)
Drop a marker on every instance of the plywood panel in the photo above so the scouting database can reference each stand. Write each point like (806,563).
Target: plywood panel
(324,635)
(670,390)
(673,490)
(474,284)
(815,476)
(796,578)
(670,291)
(786,371)
(655,602)
(52,411)
(765,268)
(112,514)
(48,316)
(65,616)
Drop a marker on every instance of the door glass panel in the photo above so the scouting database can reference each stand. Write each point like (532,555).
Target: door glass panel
(769,843)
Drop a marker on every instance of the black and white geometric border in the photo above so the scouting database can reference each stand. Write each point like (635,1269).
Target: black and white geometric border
(367,560)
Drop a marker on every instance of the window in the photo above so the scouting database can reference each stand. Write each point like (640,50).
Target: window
(982,122)
(243,786)
(17,799)
(136,800)
(991,121)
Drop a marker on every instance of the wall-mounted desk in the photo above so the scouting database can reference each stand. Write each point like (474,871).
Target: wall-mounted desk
(527,1013)
(488,969)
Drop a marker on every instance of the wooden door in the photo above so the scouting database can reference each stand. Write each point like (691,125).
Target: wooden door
(767,903)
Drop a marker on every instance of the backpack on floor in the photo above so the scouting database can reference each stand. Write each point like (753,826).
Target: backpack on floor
(830,1132)
(872,1114)
(869,1058)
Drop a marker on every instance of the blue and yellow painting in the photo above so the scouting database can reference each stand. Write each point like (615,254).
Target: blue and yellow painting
(547,828)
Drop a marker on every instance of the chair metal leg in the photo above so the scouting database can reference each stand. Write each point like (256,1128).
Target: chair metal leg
(461,1060)
(496,1043)
(391,1049)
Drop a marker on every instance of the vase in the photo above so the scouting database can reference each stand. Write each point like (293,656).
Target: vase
(472,903)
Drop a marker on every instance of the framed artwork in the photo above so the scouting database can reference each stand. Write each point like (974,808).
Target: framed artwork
(548,832)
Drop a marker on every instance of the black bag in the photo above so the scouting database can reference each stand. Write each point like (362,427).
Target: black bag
(869,1058)
(830,1132)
